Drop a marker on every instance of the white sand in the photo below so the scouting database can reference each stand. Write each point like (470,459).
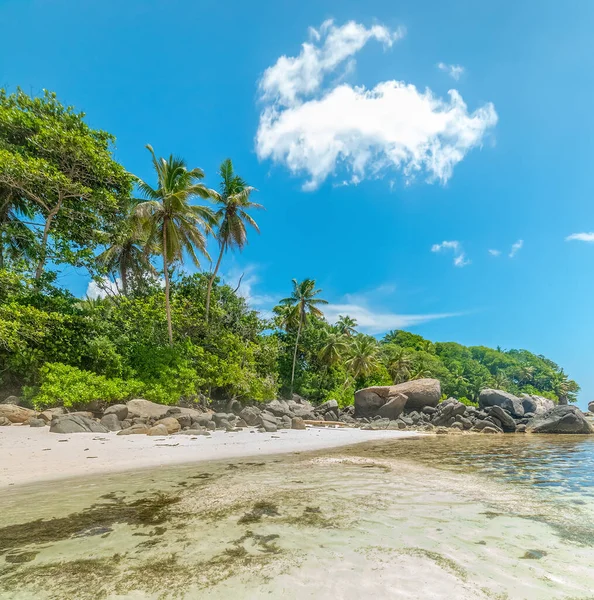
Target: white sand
(29,455)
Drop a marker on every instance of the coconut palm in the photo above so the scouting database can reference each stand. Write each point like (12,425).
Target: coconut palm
(170,221)
(334,348)
(304,299)
(232,216)
(129,252)
(398,362)
(346,325)
(500,381)
(363,357)
(16,239)
(286,317)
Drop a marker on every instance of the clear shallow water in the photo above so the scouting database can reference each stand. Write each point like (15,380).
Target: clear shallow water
(441,517)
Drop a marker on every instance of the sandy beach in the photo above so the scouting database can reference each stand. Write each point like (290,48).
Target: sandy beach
(30,455)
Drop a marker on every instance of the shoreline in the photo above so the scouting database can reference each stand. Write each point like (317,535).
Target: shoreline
(32,455)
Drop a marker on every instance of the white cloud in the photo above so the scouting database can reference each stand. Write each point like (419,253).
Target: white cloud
(582,237)
(316,130)
(516,248)
(373,322)
(494,252)
(293,76)
(106,287)
(454,71)
(460,259)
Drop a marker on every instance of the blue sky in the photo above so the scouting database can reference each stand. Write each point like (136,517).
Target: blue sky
(364,161)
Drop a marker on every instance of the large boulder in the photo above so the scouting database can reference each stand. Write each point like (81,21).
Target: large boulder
(561,419)
(393,408)
(11,400)
(119,410)
(419,393)
(536,404)
(48,414)
(16,414)
(159,429)
(144,409)
(278,408)
(505,400)
(76,424)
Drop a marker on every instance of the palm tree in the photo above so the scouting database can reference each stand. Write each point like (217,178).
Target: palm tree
(346,325)
(399,362)
(234,200)
(334,348)
(170,220)
(129,253)
(304,299)
(363,359)
(16,239)
(286,317)
(500,380)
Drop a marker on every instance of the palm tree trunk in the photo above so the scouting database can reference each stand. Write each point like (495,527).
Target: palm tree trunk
(124,278)
(212,278)
(166,273)
(295,354)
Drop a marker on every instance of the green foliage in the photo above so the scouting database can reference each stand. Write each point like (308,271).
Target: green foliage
(62,385)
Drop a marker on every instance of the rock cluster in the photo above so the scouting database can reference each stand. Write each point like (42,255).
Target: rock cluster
(413,405)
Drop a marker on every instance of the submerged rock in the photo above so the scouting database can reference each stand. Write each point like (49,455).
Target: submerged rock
(76,424)
(561,419)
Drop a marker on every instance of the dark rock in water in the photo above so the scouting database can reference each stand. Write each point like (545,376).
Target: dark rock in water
(534,554)
(394,407)
(505,420)
(119,410)
(76,424)
(480,425)
(508,402)
(521,428)
(561,419)
(111,422)
(491,430)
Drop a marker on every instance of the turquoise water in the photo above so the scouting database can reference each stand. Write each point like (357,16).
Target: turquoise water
(465,517)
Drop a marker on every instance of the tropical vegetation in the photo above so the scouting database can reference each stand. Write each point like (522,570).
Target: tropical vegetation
(152,328)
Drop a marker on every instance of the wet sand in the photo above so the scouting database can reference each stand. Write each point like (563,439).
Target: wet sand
(29,455)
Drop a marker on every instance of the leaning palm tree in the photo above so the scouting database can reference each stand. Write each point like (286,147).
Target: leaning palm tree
(363,359)
(334,348)
(128,253)
(170,220)
(304,299)
(234,201)
(346,325)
